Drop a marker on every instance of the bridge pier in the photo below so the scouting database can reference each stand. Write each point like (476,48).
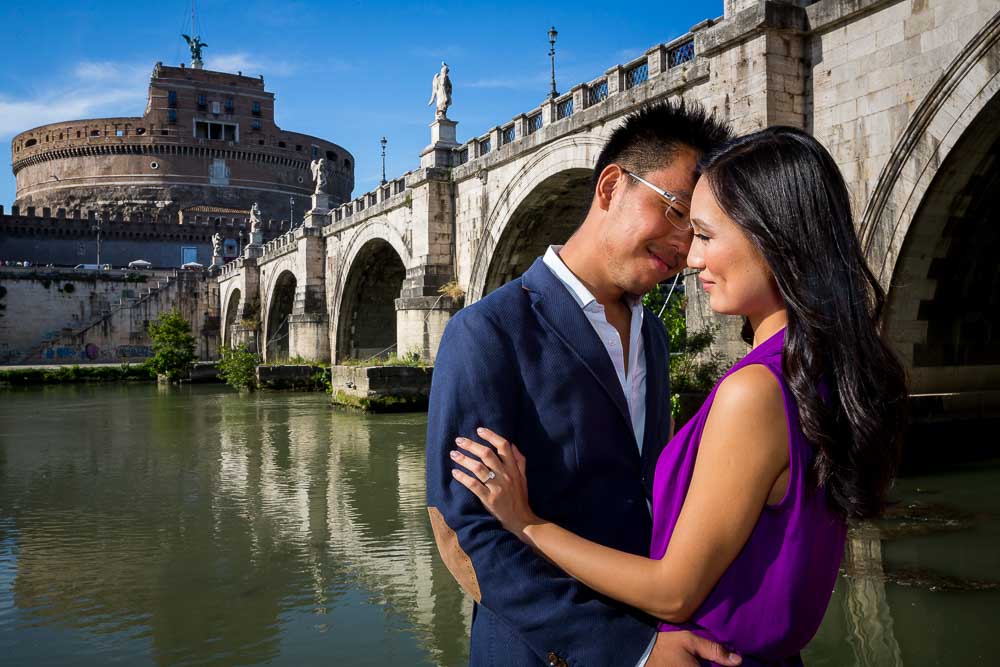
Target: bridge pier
(308,323)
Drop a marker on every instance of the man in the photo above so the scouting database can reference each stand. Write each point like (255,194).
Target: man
(565,362)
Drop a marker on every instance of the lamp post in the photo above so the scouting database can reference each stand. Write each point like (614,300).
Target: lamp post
(291,213)
(97,228)
(552,57)
(383,141)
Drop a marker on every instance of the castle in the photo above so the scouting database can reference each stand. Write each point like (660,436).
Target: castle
(205,149)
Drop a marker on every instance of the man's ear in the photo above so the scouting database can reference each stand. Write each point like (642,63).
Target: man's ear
(611,178)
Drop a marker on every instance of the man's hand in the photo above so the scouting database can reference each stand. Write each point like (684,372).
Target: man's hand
(681,649)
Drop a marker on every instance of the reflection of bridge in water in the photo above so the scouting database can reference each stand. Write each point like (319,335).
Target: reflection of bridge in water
(213,541)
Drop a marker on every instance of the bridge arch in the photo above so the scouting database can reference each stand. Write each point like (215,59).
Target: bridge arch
(281,300)
(230,315)
(543,204)
(366,317)
(927,227)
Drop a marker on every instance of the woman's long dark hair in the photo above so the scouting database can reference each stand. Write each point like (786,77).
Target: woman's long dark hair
(782,188)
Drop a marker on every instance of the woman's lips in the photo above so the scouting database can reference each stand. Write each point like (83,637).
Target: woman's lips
(706,284)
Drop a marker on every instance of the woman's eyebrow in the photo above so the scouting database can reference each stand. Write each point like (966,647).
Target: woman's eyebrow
(701,223)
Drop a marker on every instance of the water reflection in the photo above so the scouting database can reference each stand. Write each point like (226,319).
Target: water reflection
(196,526)
(202,527)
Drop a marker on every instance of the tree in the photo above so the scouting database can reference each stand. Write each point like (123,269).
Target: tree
(238,367)
(694,367)
(173,346)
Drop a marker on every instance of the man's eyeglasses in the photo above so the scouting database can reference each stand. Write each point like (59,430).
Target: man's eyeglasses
(677,209)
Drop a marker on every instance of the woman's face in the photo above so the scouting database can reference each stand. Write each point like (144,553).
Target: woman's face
(731,269)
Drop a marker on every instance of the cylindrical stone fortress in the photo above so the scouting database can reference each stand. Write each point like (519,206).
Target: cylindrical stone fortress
(206,139)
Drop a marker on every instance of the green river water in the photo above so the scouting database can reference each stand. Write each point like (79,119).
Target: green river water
(142,525)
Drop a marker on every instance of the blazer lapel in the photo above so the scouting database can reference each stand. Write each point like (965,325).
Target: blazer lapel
(657,367)
(561,314)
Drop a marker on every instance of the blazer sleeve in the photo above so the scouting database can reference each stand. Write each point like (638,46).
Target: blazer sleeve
(476,383)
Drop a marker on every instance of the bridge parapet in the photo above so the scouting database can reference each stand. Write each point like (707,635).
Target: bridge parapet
(675,58)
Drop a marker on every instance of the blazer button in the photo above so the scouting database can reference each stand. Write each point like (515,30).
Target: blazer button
(555,660)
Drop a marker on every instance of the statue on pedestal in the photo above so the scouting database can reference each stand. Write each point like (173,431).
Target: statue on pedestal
(318,168)
(441,89)
(217,245)
(196,45)
(255,222)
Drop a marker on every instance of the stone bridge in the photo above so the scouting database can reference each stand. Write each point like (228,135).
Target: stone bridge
(902,92)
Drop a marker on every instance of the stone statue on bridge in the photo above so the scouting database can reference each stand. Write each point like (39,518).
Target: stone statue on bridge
(441,89)
(256,224)
(217,244)
(318,168)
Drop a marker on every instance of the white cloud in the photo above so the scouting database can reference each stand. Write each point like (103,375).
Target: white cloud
(241,61)
(510,82)
(89,89)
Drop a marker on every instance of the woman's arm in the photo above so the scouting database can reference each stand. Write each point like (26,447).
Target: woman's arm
(742,454)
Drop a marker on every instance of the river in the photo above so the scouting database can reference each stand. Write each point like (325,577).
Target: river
(145,525)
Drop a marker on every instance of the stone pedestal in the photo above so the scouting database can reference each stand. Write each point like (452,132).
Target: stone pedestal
(420,323)
(308,336)
(216,260)
(443,141)
(319,214)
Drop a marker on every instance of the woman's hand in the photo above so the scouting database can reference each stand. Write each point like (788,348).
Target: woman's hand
(498,479)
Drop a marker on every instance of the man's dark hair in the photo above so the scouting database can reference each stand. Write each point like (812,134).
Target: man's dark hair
(650,138)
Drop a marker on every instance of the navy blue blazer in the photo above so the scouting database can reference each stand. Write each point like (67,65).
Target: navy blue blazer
(525,362)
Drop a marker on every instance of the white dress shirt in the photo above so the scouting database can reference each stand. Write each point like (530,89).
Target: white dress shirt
(634,383)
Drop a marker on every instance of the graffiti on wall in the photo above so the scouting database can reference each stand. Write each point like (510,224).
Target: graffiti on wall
(129,351)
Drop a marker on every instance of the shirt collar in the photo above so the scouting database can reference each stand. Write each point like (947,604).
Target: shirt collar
(576,288)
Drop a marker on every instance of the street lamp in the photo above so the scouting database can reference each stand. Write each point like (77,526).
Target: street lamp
(552,57)
(383,141)
(97,228)
(291,213)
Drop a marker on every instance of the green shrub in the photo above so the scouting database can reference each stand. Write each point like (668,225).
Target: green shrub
(694,367)
(173,346)
(409,359)
(238,367)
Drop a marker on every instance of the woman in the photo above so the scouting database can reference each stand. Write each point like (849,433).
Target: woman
(752,496)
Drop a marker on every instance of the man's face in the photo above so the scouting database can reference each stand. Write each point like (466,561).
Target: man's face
(642,245)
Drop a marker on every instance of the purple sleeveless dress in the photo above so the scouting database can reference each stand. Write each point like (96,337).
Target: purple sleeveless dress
(771,600)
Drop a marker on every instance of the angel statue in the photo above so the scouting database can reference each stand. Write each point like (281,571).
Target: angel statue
(217,244)
(318,168)
(196,45)
(255,221)
(441,89)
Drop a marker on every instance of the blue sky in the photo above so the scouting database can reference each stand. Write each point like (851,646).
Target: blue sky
(349,72)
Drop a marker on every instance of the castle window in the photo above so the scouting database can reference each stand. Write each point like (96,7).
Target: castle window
(202,102)
(119,133)
(204,129)
(230,105)
(171,116)
(78,134)
(30,142)
(330,155)
(95,133)
(315,152)
(171,98)
(256,124)
(347,164)
(256,108)
(281,144)
(140,130)
(298,147)
(216,108)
